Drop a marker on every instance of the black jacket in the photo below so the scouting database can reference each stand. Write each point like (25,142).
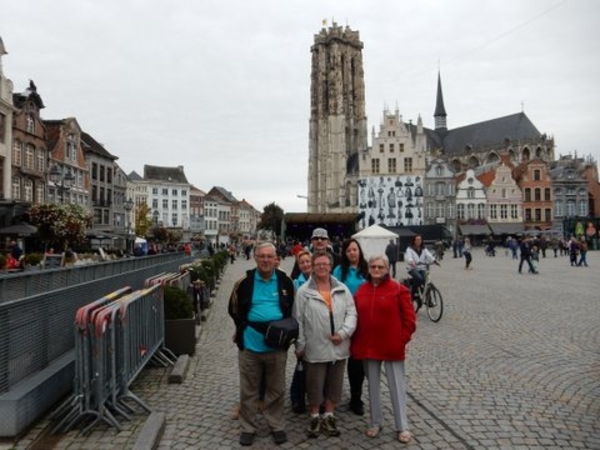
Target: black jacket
(241,299)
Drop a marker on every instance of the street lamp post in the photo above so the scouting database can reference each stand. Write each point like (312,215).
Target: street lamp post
(128,206)
(62,181)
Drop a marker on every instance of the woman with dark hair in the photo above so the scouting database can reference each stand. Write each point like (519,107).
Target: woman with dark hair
(417,259)
(352,271)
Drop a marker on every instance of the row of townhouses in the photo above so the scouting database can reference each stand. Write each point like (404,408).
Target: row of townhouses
(501,171)
(56,161)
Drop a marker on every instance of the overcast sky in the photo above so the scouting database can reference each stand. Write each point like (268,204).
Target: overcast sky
(222,87)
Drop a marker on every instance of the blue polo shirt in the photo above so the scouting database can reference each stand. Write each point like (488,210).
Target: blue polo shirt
(353,278)
(263,308)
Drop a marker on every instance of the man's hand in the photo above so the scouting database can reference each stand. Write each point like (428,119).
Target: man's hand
(336,339)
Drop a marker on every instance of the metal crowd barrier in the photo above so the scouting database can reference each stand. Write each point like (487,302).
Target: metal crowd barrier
(116,336)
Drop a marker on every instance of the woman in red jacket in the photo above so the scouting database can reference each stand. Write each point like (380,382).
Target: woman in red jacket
(386,322)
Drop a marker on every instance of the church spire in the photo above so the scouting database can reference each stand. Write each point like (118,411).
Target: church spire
(440,112)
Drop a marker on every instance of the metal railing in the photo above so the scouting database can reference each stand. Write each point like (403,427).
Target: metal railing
(36,332)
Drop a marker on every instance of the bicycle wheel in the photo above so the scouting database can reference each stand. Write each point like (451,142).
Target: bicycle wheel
(434,303)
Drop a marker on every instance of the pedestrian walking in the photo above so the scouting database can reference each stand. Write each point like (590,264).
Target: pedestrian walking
(467,254)
(525,251)
(582,252)
(391,251)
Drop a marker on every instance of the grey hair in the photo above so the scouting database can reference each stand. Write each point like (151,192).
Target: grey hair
(378,257)
(264,244)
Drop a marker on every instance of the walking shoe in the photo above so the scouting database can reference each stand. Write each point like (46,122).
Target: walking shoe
(279,437)
(357,407)
(315,427)
(246,439)
(328,426)
(299,408)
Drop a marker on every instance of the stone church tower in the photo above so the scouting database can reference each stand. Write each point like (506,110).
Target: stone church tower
(338,124)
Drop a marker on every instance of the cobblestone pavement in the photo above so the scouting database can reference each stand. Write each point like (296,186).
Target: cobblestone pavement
(513,364)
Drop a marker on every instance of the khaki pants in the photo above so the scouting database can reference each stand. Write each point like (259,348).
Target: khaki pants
(253,367)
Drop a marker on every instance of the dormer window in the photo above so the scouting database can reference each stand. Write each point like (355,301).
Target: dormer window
(30,124)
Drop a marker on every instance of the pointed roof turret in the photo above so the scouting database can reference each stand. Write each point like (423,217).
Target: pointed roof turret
(440,112)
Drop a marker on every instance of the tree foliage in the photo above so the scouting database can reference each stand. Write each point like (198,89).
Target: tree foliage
(142,219)
(61,225)
(271,218)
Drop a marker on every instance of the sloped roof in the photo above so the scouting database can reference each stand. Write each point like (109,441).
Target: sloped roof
(91,145)
(513,127)
(224,193)
(134,176)
(160,173)
(375,231)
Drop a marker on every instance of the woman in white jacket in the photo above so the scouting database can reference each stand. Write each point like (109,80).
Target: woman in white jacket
(417,259)
(325,310)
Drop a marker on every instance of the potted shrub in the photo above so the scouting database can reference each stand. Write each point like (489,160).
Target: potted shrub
(180,323)
(33,259)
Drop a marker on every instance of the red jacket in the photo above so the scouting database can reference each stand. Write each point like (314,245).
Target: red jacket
(386,321)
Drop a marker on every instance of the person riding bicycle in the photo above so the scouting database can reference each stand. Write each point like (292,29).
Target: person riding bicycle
(417,259)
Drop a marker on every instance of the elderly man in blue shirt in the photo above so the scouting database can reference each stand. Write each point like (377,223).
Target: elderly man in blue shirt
(264,294)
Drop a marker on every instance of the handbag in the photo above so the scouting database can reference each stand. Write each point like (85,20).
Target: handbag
(278,333)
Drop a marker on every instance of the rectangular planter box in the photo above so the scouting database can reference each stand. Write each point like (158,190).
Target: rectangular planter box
(180,336)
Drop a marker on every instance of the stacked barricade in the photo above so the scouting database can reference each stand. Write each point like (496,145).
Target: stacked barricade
(116,336)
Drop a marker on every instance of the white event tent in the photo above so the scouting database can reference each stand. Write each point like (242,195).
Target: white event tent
(374,239)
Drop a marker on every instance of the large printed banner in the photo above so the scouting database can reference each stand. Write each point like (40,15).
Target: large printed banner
(392,201)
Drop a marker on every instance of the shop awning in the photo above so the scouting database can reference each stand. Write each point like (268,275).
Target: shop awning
(474,229)
(507,228)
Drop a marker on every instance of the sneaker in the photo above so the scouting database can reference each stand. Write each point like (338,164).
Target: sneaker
(328,426)
(315,427)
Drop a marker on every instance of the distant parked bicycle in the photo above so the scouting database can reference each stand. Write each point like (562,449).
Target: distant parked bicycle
(428,295)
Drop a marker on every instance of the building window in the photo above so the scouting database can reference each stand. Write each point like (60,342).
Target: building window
(438,171)
(439,210)
(40,161)
(493,212)
(514,212)
(102,169)
(381,148)
(583,208)
(504,212)
(408,165)
(154,191)
(29,157)
(374,166)
(165,204)
(165,191)
(538,194)
(450,208)
(17,153)
(527,194)
(184,192)
(40,192)
(392,148)
(174,192)
(570,208)
(481,211)
(184,205)
(108,175)
(547,215)
(70,148)
(154,203)
(94,171)
(174,204)
(429,210)
(16,188)
(392,165)
(471,192)
(440,188)
(527,215)
(538,215)
(30,124)
(558,208)
(470,211)
(503,193)
(28,191)
(537,175)
(401,148)
(547,195)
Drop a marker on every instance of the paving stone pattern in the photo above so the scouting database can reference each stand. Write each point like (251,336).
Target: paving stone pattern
(513,364)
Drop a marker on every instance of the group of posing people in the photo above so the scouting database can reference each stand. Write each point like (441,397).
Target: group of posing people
(352,316)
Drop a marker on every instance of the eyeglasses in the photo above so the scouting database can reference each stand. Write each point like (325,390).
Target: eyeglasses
(319,239)
(377,267)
